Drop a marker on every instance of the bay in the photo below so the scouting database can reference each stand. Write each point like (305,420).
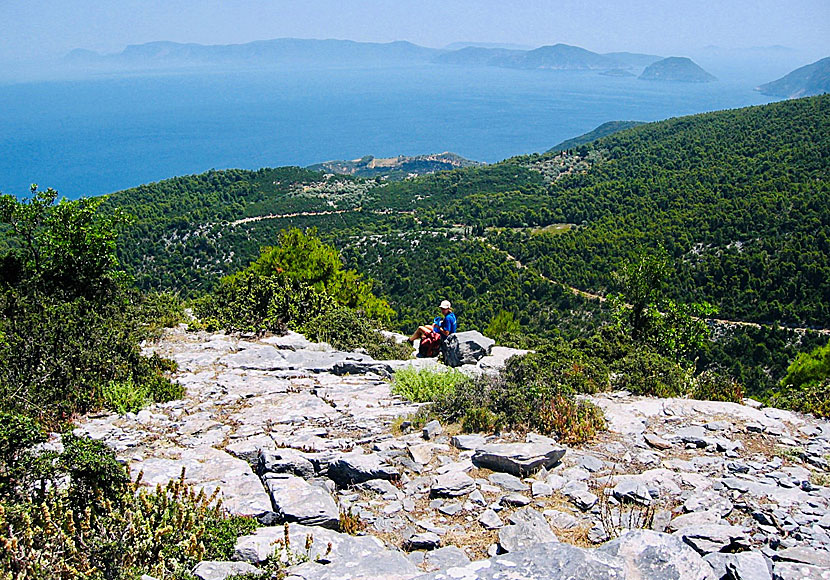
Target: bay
(98,135)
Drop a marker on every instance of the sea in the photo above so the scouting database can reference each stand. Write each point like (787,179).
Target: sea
(100,134)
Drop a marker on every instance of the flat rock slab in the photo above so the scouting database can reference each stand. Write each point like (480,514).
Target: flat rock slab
(208,468)
(710,538)
(519,459)
(295,500)
(452,484)
(654,556)
(355,467)
(540,562)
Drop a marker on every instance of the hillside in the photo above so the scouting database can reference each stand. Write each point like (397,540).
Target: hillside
(676,69)
(603,130)
(395,168)
(813,79)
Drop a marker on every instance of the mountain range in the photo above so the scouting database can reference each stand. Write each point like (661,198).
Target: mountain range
(164,54)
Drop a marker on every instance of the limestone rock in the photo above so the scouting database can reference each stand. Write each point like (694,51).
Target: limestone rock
(654,556)
(519,459)
(444,558)
(356,467)
(284,461)
(508,482)
(539,562)
(423,541)
(452,484)
(490,520)
(714,538)
(295,500)
(466,348)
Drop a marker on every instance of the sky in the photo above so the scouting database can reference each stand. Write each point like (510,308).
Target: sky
(48,29)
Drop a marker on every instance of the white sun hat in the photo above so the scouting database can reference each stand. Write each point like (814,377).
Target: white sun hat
(446,305)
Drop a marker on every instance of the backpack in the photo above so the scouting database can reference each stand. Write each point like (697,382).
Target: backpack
(430,345)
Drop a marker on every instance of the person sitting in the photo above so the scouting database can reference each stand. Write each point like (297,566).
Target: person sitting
(434,335)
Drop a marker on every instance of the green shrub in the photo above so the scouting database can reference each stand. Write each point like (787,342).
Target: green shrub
(250,302)
(503,324)
(347,329)
(573,421)
(479,420)
(643,372)
(163,532)
(711,385)
(561,365)
(158,310)
(425,385)
(806,387)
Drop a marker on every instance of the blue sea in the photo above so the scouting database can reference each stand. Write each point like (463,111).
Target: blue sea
(99,135)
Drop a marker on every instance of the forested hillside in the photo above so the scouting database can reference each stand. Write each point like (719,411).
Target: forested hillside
(738,201)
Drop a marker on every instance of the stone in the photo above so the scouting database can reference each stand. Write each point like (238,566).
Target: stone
(432,429)
(207,468)
(356,467)
(498,357)
(383,488)
(541,489)
(450,509)
(798,571)
(422,541)
(633,491)
(650,555)
(519,459)
(444,558)
(466,348)
(508,482)
(584,500)
(591,463)
(528,527)
(656,441)
(295,500)
(710,538)
(693,435)
(452,484)
(468,442)
(217,570)
(358,367)
(421,453)
(561,520)
(515,499)
(804,556)
(490,520)
(539,562)
(284,461)
(740,566)
(695,519)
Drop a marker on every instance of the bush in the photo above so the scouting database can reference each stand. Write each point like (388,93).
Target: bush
(806,387)
(568,368)
(488,403)
(643,372)
(425,385)
(711,385)
(250,302)
(163,532)
(347,329)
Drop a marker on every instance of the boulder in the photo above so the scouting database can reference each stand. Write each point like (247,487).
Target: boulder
(296,500)
(740,566)
(443,558)
(466,348)
(422,541)
(284,461)
(357,467)
(650,555)
(520,459)
(508,482)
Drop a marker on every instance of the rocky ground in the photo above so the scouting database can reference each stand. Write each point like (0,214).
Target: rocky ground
(294,432)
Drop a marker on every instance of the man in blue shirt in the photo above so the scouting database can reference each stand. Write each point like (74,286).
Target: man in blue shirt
(441,328)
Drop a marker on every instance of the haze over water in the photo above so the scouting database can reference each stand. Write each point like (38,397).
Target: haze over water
(95,136)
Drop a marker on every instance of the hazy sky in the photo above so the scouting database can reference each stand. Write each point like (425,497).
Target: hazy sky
(49,28)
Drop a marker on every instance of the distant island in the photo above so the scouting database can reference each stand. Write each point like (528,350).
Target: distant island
(813,79)
(281,51)
(396,168)
(603,130)
(676,69)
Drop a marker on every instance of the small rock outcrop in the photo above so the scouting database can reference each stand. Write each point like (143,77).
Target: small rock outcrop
(466,348)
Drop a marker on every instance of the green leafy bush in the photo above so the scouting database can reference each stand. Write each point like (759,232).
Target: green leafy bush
(713,385)
(644,372)
(558,363)
(573,420)
(425,385)
(163,532)
(347,329)
(806,387)
(503,324)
